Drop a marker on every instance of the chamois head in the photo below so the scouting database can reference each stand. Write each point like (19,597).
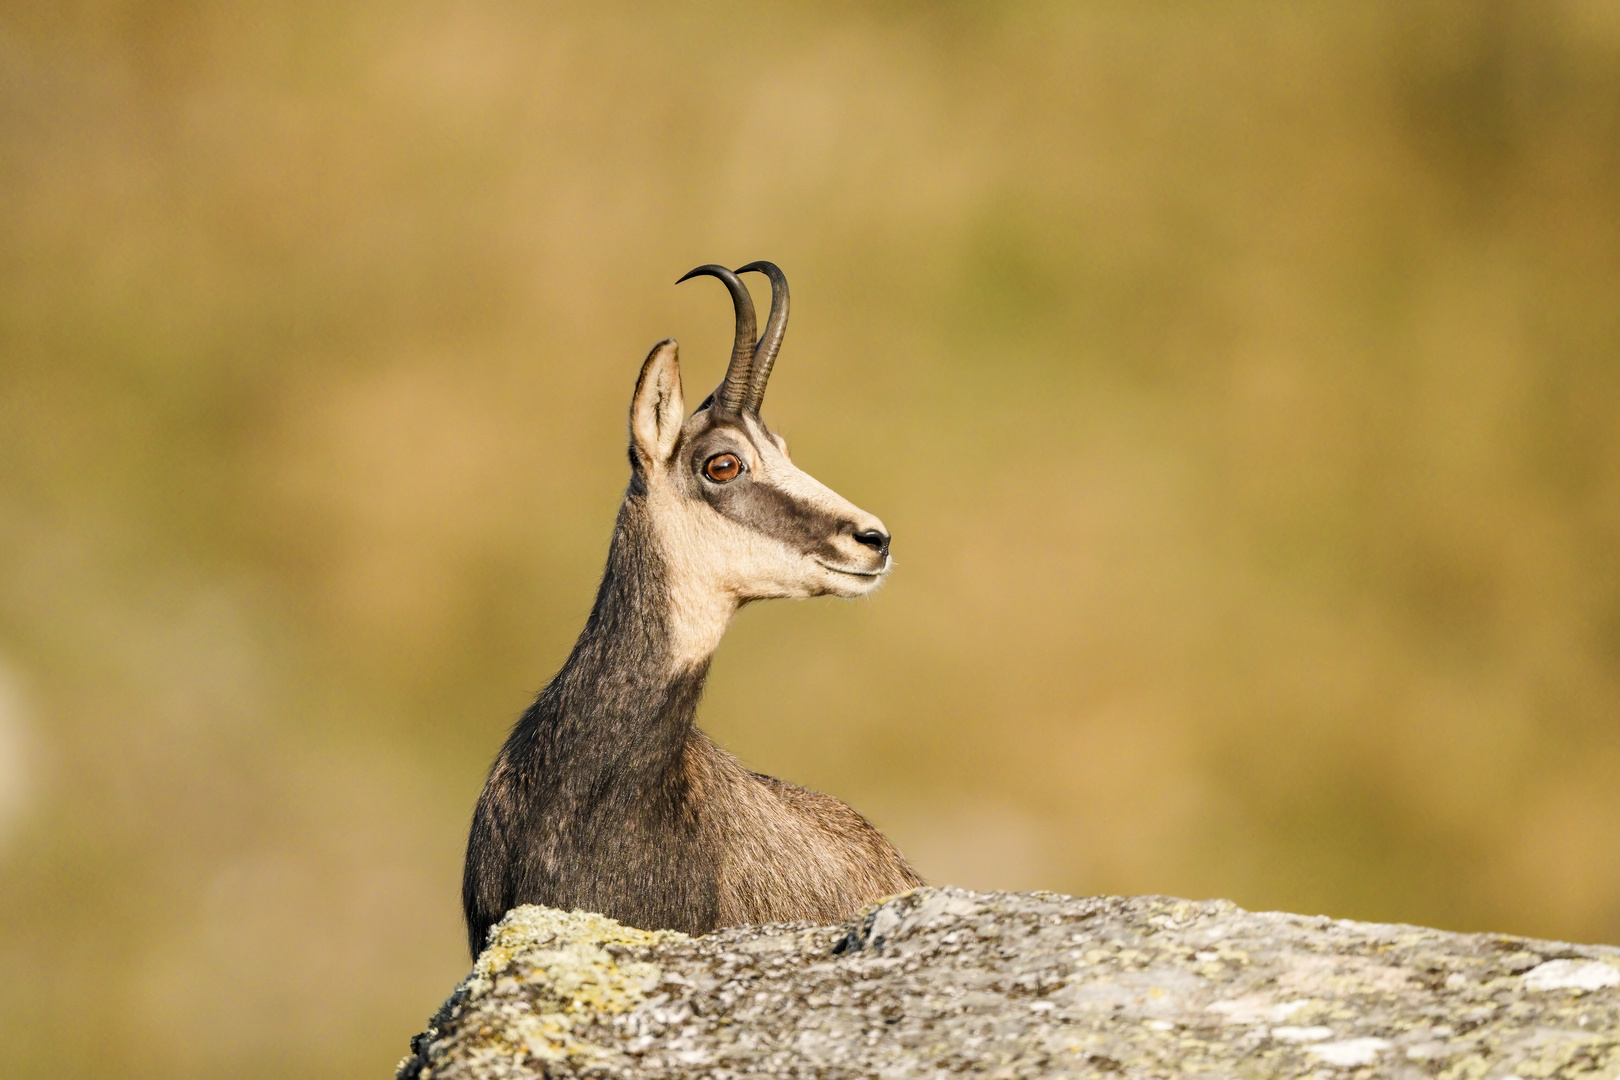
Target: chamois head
(734,518)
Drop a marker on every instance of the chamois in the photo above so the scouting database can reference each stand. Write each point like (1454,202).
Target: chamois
(606,796)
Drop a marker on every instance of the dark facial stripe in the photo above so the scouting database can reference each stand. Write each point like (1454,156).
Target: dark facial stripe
(777,514)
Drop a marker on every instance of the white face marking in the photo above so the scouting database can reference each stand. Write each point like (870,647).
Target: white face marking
(716,564)
(774,531)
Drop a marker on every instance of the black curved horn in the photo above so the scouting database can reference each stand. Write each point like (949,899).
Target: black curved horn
(734,390)
(770,342)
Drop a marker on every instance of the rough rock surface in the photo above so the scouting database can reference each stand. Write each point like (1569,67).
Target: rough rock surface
(943,981)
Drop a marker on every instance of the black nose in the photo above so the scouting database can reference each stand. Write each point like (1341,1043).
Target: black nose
(872,538)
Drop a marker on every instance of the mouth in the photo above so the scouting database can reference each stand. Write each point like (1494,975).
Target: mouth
(856,573)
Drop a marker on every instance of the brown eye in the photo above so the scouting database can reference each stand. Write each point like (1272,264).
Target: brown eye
(722,467)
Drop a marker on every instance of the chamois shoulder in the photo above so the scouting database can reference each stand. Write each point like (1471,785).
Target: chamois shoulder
(788,853)
(829,813)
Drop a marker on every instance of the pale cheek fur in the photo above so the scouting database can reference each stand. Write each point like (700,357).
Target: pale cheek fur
(714,565)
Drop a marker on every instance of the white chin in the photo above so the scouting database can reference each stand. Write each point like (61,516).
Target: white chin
(850,586)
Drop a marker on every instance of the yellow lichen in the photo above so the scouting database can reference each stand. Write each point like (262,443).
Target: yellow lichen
(565,955)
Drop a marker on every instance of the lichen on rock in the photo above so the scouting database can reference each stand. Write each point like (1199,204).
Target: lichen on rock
(1011,985)
(542,973)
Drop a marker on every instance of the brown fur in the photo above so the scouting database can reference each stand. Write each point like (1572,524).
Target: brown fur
(788,853)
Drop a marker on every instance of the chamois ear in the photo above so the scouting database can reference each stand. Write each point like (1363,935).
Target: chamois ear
(659,409)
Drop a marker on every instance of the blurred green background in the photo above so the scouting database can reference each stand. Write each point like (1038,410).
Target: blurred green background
(1241,384)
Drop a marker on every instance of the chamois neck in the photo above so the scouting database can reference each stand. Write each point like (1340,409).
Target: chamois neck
(629,690)
(652,612)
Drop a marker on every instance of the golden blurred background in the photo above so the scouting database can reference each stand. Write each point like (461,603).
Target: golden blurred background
(1241,384)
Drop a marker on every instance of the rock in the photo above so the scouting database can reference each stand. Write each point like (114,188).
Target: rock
(939,981)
